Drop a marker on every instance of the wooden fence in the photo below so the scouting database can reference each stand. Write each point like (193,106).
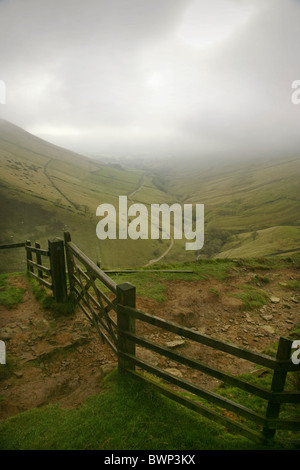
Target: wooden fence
(114,314)
(8,263)
(275,396)
(52,276)
(111,308)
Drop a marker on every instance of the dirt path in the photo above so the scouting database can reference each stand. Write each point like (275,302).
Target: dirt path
(62,360)
(152,261)
(56,188)
(130,196)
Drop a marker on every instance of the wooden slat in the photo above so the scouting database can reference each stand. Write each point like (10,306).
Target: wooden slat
(42,281)
(233,426)
(126,295)
(107,281)
(95,318)
(39,260)
(144,271)
(12,245)
(197,365)
(278,397)
(39,266)
(278,382)
(284,424)
(199,391)
(37,250)
(234,350)
(28,256)
(102,335)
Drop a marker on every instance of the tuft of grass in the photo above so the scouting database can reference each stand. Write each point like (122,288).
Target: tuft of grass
(252,298)
(293,285)
(10,296)
(214,291)
(258,280)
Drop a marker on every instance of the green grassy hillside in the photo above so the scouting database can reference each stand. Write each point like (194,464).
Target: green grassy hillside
(45,190)
(243,195)
(270,241)
(251,207)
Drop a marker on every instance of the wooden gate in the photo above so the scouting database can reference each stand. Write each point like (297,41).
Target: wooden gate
(96,293)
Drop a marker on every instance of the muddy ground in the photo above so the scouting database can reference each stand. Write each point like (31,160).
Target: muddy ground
(62,359)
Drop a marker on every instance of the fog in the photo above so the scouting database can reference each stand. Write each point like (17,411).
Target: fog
(154,78)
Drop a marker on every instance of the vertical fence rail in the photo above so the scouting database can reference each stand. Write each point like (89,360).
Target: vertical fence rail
(70,265)
(39,260)
(278,383)
(126,295)
(58,269)
(28,256)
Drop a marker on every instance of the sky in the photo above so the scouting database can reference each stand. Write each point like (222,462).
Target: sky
(153,78)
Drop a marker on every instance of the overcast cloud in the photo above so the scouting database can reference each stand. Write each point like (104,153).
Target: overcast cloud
(154,77)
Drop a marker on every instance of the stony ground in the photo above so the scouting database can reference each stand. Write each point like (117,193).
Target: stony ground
(62,360)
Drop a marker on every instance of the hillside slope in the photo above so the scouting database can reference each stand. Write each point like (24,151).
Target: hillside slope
(45,189)
(243,195)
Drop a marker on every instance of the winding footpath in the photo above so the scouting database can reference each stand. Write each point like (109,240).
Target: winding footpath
(152,261)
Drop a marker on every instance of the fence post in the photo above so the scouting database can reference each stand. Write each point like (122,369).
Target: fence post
(278,383)
(126,295)
(70,266)
(58,269)
(39,260)
(28,256)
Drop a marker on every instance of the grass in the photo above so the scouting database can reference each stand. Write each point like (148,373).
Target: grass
(47,301)
(258,405)
(7,369)
(252,298)
(214,291)
(153,285)
(10,296)
(266,242)
(293,285)
(126,415)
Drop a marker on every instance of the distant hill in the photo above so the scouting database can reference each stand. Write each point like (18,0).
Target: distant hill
(45,189)
(258,194)
(252,208)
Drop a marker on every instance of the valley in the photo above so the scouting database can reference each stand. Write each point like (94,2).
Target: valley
(251,207)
